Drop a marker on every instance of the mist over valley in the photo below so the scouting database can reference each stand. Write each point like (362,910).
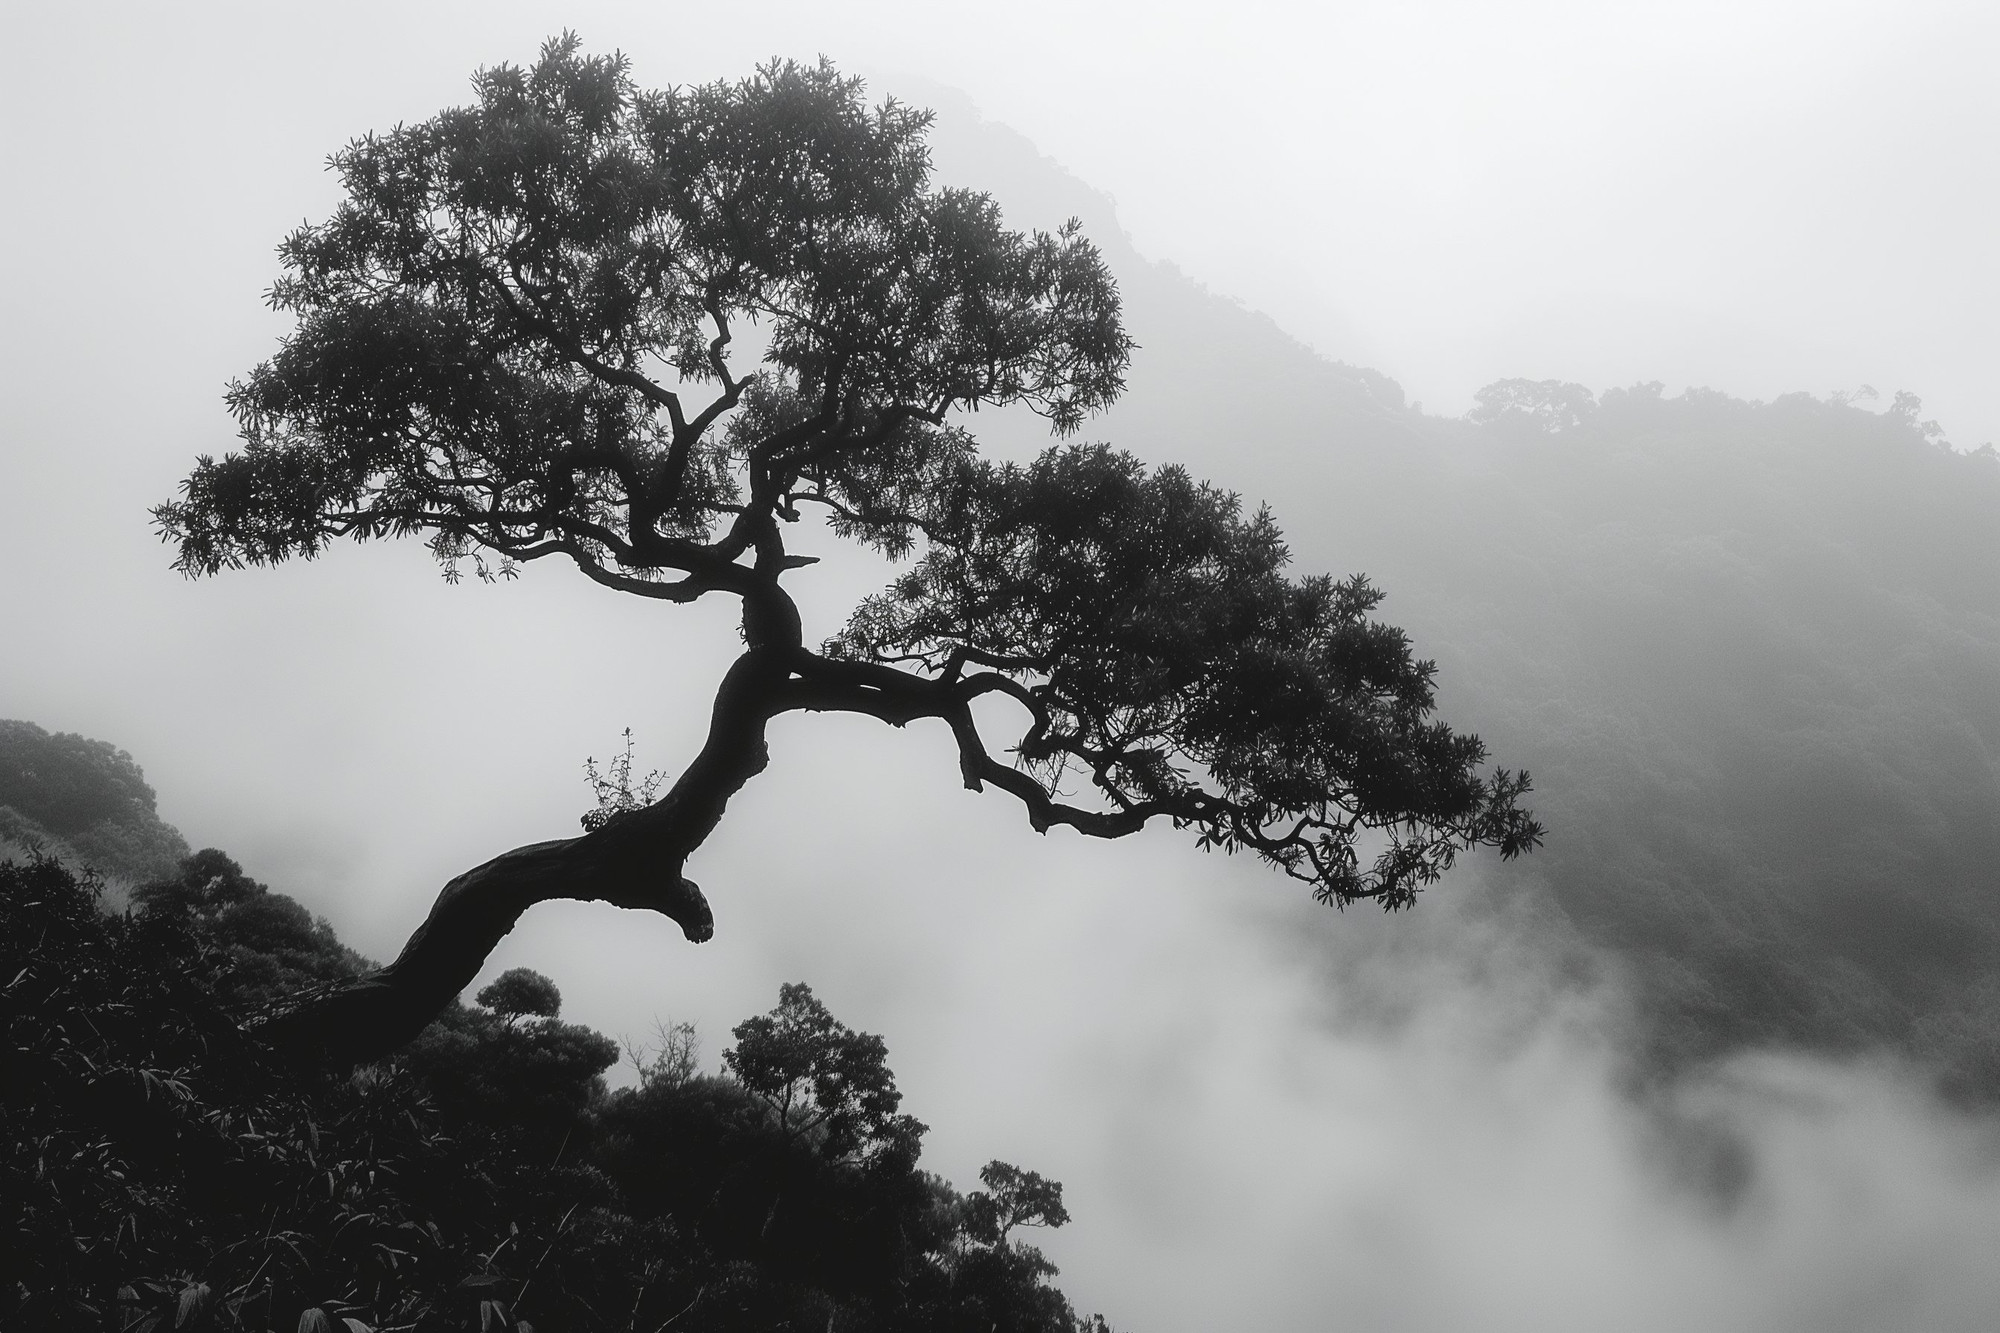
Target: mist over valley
(1723,1052)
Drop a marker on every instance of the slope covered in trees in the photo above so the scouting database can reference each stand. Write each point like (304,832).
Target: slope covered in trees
(86,798)
(1751,652)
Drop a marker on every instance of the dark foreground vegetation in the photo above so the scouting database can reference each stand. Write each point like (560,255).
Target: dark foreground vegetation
(160,1169)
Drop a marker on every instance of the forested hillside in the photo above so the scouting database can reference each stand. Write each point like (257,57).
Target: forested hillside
(83,798)
(1758,648)
(1749,651)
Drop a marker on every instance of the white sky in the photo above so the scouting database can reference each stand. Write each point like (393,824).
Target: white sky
(1758,197)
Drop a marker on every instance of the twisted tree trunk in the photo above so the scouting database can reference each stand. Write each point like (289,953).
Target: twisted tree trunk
(634,861)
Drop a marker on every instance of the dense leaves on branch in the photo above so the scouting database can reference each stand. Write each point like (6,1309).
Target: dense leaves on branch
(500,327)
(822,1080)
(1150,631)
(159,1170)
(63,792)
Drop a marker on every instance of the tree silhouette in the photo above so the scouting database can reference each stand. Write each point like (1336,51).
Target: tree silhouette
(520,993)
(821,1079)
(515,337)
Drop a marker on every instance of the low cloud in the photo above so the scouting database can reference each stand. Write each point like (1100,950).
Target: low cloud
(1440,1130)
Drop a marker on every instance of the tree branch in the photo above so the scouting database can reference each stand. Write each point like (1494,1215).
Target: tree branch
(634,861)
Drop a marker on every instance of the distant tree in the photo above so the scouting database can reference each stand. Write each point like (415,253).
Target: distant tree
(84,797)
(515,337)
(614,788)
(521,1080)
(1013,1198)
(757,1164)
(672,1059)
(1907,409)
(1544,407)
(821,1078)
(521,992)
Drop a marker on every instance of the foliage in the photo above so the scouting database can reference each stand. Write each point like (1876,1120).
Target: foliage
(1170,648)
(67,783)
(521,1082)
(275,946)
(85,797)
(158,1170)
(1012,1198)
(482,318)
(822,1080)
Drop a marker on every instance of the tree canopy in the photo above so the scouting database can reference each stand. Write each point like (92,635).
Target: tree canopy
(519,336)
(64,792)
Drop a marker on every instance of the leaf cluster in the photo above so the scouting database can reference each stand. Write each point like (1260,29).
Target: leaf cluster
(69,793)
(821,1079)
(1150,630)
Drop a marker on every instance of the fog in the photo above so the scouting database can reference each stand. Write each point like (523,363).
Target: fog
(1267,1115)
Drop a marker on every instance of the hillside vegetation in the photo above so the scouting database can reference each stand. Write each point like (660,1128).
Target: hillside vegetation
(1749,651)
(161,1169)
(84,800)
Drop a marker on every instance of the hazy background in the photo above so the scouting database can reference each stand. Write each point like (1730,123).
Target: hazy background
(1266,1115)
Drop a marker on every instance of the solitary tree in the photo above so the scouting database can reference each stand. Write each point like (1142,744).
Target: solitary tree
(517,336)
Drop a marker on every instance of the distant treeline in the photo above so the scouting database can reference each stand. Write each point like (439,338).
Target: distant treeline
(1750,652)
(1758,648)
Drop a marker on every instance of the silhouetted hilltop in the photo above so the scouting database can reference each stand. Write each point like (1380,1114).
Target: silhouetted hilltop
(1752,654)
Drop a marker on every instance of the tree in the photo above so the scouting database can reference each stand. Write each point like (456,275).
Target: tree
(821,1079)
(275,945)
(1535,407)
(85,798)
(515,337)
(519,993)
(1013,1198)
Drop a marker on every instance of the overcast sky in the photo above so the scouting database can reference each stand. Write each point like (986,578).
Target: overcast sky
(1757,197)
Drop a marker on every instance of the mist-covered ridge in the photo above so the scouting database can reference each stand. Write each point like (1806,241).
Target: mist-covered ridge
(84,800)
(1749,650)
